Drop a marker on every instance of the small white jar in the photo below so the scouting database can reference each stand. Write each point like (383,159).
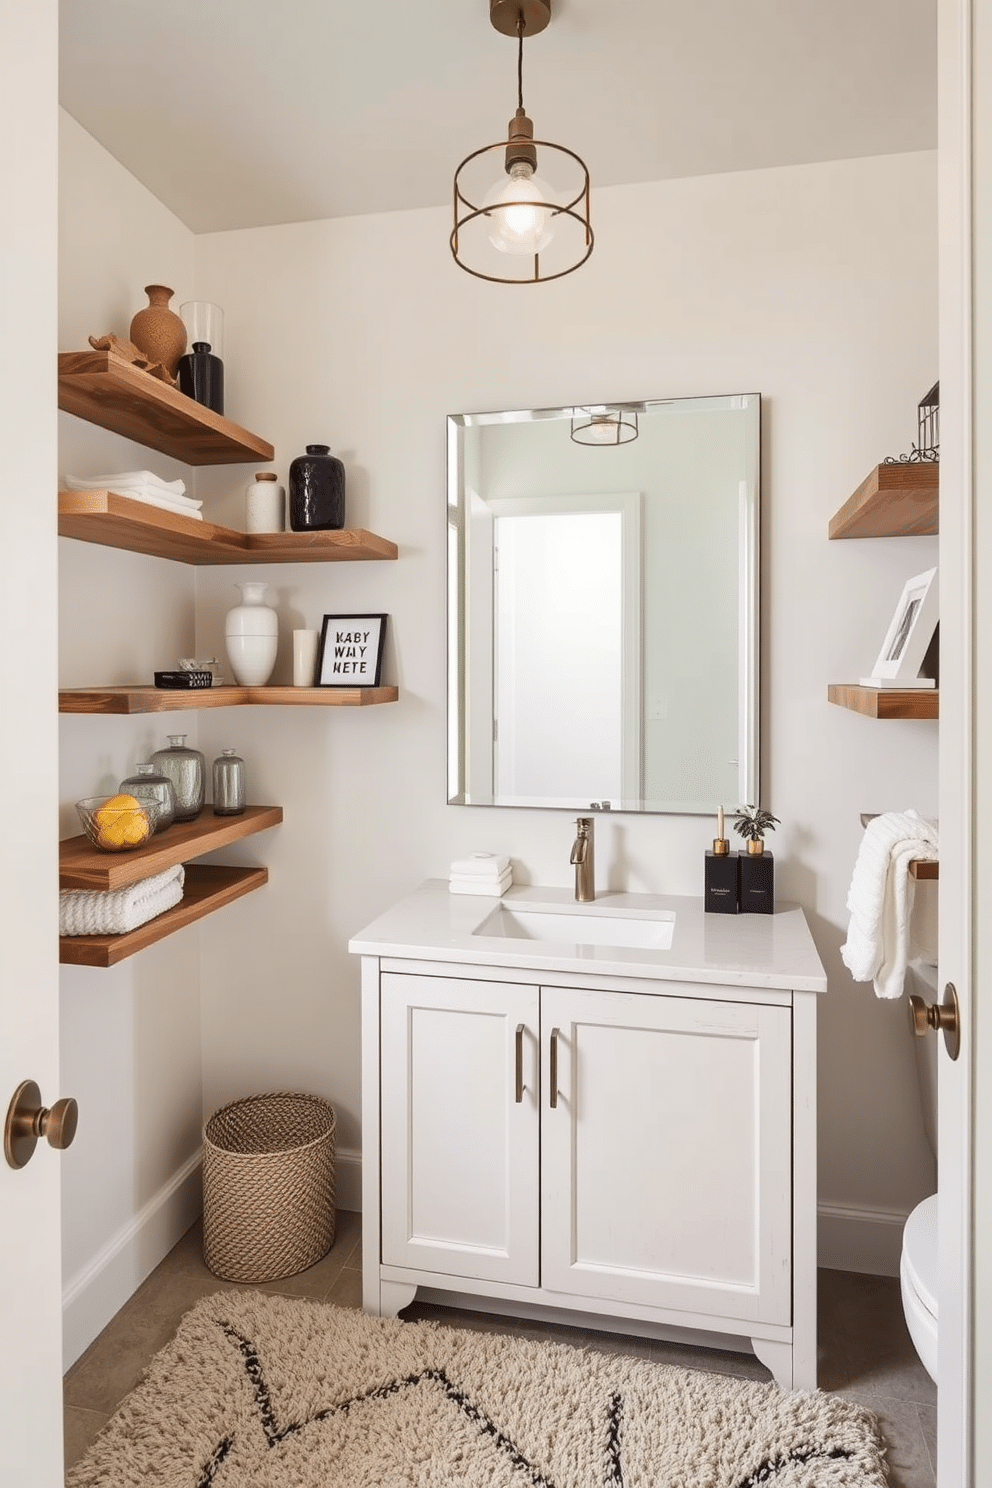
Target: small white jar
(251,633)
(265,504)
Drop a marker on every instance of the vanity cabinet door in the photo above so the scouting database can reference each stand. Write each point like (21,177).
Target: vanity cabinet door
(667,1159)
(459,1127)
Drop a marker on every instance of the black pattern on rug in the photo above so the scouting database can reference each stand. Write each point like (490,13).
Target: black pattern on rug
(274,1434)
(772,1466)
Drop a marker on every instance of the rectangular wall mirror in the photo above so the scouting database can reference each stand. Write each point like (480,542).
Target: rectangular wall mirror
(603,606)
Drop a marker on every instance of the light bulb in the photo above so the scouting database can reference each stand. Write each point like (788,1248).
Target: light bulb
(519,219)
(602,429)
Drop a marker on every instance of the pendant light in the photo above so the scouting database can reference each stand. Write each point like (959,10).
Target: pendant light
(512,226)
(599,425)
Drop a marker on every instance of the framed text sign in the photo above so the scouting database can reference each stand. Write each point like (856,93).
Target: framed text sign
(350,650)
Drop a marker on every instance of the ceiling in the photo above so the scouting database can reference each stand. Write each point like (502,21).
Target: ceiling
(241,113)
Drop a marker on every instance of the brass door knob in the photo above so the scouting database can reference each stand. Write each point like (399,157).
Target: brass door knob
(28,1120)
(945,1017)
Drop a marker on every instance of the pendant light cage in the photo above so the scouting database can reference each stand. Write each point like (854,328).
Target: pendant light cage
(604,427)
(511,224)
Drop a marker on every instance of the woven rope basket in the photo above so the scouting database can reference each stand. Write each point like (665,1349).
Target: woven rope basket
(268,1186)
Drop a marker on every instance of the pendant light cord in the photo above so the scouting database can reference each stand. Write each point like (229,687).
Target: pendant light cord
(520,59)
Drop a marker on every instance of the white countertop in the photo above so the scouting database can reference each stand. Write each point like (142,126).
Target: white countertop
(748,950)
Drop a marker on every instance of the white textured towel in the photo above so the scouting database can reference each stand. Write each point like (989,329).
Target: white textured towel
(116,911)
(494,887)
(480,865)
(880,898)
(128,478)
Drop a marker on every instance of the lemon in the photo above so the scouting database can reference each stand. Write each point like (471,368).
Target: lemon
(121,822)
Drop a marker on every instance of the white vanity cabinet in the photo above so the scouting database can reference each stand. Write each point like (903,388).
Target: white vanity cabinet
(628,1147)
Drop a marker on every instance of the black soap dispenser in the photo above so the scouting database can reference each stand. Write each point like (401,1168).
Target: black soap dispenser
(721,893)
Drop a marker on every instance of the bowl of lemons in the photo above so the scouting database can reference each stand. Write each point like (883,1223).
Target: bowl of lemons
(115,823)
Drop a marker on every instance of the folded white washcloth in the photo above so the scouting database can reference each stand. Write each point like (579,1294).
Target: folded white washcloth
(469,885)
(480,865)
(880,898)
(166,503)
(116,911)
(125,478)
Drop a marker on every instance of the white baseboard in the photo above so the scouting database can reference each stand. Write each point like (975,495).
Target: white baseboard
(100,1289)
(866,1240)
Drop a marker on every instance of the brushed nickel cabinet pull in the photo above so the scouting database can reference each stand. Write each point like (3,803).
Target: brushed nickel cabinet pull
(554,1067)
(520,1063)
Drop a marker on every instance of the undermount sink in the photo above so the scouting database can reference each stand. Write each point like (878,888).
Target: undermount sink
(581,927)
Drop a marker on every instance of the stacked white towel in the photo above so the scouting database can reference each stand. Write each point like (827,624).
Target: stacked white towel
(116,911)
(481,873)
(141,485)
(880,898)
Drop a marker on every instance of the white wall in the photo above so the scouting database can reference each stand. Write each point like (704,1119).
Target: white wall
(130,1035)
(815,287)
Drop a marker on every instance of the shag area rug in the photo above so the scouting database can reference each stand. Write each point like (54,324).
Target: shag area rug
(259,1391)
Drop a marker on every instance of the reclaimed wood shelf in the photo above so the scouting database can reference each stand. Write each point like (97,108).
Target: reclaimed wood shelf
(116,521)
(897,500)
(143,699)
(109,392)
(885,702)
(207,887)
(83,866)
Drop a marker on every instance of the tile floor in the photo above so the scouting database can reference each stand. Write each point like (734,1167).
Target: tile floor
(865,1351)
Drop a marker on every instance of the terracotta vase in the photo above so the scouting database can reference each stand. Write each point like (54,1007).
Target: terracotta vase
(158,331)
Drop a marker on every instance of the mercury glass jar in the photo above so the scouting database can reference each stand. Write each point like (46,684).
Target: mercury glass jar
(184,767)
(229,784)
(156,794)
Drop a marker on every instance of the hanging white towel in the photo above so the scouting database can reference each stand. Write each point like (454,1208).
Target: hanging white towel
(116,911)
(880,898)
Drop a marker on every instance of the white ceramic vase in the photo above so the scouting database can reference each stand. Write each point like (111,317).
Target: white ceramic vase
(251,631)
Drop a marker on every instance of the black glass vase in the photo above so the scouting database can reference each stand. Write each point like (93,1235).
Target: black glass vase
(201,376)
(316,490)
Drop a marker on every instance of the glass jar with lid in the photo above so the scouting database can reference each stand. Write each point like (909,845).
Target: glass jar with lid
(229,784)
(155,792)
(184,767)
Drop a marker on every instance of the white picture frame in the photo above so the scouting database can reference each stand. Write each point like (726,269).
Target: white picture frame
(908,636)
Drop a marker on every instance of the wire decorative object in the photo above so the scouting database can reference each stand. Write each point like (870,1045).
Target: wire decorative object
(927,449)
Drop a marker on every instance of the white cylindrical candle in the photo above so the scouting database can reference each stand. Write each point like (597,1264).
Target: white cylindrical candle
(304,657)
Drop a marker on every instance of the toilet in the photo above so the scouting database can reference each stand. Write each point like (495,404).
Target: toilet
(918,1263)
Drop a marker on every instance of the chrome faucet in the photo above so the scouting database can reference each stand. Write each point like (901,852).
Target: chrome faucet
(583,858)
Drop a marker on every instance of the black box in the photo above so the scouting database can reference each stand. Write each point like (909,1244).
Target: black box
(722,890)
(757,883)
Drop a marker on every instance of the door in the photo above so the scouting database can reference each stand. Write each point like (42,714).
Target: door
(30,1265)
(667,1152)
(459,1113)
(964,953)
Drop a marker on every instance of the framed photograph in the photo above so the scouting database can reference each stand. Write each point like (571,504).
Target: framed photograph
(908,636)
(349,653)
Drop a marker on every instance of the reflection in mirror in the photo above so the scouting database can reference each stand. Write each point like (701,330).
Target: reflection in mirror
(603,608)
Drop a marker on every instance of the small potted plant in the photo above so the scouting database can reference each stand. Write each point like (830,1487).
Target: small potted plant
(752,823)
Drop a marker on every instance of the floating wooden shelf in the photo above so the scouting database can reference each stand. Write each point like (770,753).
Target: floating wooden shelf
(142,699)
(207,887)
(83,866)
(898,500)
(116,521)
(883,702)
(99,387)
